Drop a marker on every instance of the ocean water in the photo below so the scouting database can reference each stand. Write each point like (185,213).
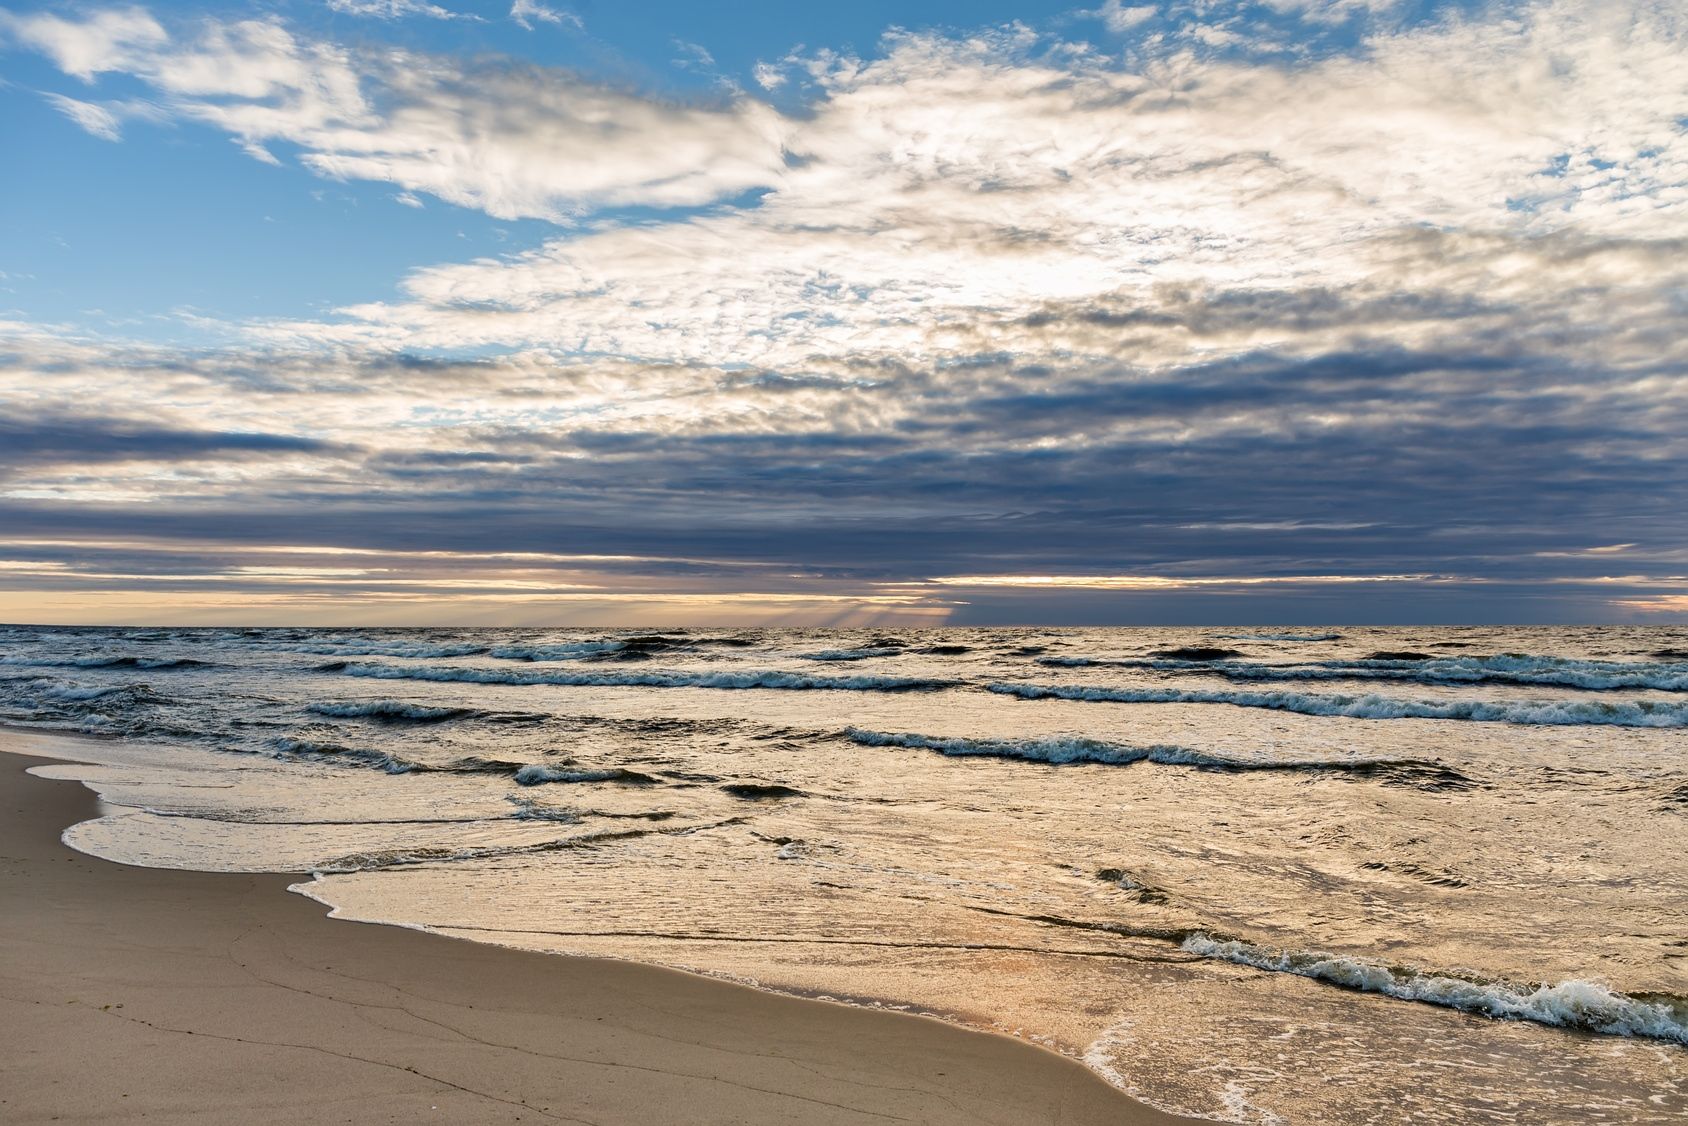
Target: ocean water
(1256,875)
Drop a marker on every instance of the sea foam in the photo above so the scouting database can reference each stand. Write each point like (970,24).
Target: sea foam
(1508,668)
(1569,1004)
(1065,749)
(1629,713)
(390,710)
(849,654)
(755,678)
(367,648)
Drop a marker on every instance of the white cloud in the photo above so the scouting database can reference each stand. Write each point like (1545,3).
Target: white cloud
(97,120)
(396,9)
(692,55)
(1331,10)
(110,40)
(525,12)
(1461,186)
(940,192)
(768,76)
(515,142)
(1119,17)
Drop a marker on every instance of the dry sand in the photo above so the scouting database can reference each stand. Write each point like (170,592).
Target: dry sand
(188,997)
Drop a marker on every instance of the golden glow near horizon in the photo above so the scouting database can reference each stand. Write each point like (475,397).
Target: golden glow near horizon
(1171,582)
(161,581)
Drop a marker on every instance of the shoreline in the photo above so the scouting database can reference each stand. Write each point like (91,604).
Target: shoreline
(199,997)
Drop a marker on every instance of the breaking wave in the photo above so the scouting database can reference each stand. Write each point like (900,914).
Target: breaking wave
(1509,668)
(1061,750)
(1573,1003)
(543,775)
(573,651)
(72,693)
(385,649)
(522,773)
(1630,713)
(391,710)
(286,747)
(757,678)
(148,663)
(849,654)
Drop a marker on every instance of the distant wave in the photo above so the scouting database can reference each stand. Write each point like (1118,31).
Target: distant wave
(572,651)
(757,678)
(1568,1004)
(1281,636)
(148,663)
(1637,713)
(404,857)
(1509,668)
(543,775)
(1059,750)
(384,649)
(391,710)
(849,654)
(522,773)
(79,694)
(291,748)
(638,647)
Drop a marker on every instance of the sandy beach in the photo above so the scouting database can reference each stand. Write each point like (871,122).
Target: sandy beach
(186,997)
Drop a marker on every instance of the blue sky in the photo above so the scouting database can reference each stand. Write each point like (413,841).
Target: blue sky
(387,310)
(160,245)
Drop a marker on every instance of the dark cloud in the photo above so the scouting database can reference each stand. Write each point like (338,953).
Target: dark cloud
(57,440)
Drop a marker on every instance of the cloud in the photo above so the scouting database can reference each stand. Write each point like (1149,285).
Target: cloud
(114,39)
(693,55)
(1404,306)
(513,140)
(95,120)
(396,9)
(1120,18)
(82,440)
(525,12)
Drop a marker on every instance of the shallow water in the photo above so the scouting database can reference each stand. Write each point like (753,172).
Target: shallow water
(1301,874)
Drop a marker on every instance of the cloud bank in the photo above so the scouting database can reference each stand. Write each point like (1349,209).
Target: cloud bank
(1306,293)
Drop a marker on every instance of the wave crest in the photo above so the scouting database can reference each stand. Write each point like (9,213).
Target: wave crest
(1573,1003)
(390,710)
(1065,749)
(755,678)
(1631,713)
(1508,668)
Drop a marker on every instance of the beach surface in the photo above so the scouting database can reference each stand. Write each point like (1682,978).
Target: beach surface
(189,997)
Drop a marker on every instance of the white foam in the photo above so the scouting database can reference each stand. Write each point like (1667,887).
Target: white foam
(371,648)
(572,651)
(1512,668)
(542,775)
(78,693)
(385,709)
(1574,1003)
(1521,669)
(1064,749)
(1628,713)
(849,654)
(755,678)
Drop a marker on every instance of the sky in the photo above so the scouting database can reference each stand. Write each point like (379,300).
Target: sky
(394,312)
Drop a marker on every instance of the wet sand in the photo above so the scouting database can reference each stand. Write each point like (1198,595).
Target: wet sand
(189,997)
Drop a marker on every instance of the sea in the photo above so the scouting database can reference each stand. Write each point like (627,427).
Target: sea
(1256,875)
